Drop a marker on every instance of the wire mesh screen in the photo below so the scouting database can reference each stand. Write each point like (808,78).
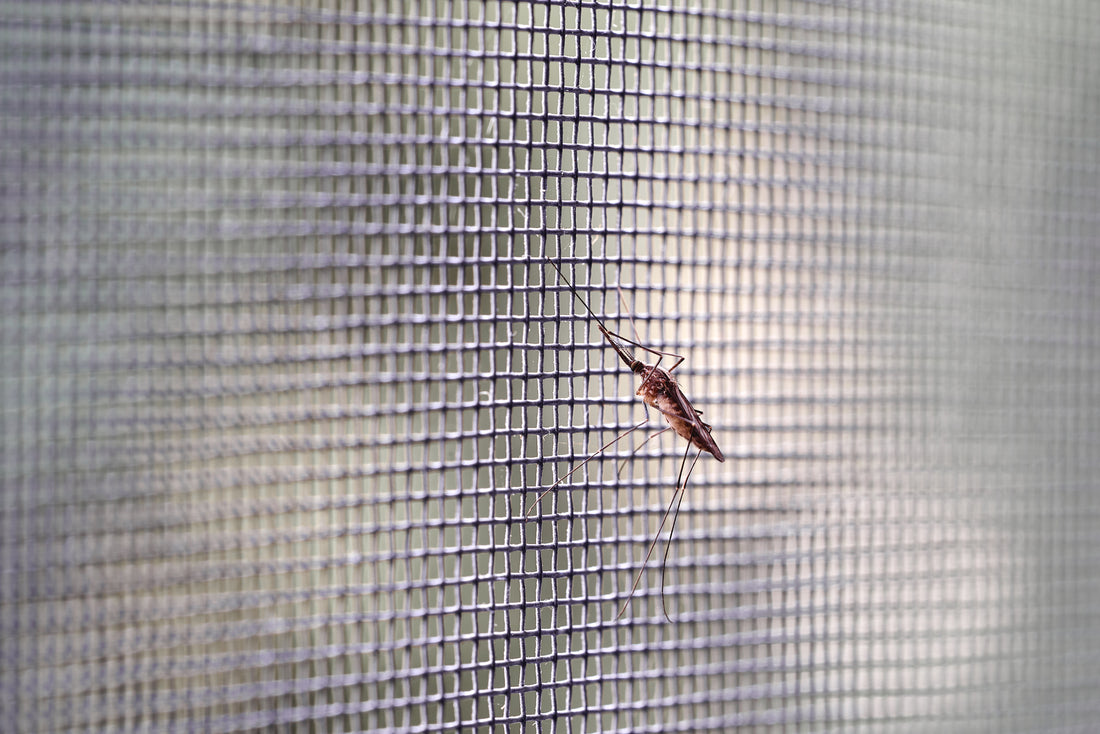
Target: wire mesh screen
(286,362)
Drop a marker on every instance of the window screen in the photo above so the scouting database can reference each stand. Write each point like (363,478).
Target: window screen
(285,362)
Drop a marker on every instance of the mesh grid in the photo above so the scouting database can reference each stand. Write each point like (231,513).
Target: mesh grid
(284,364)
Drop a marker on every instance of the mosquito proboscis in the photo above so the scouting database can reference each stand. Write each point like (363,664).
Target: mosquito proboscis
(660,391)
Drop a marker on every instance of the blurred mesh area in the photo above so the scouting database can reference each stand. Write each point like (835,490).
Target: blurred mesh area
(283,365)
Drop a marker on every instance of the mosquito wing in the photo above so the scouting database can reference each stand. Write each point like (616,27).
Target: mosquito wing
(700,431)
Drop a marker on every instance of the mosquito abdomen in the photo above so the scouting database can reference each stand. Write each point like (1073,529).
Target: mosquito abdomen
(659,391)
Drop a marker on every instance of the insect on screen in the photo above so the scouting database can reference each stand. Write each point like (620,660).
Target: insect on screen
(301,312)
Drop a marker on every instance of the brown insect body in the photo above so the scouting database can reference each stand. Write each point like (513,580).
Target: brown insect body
(660,391)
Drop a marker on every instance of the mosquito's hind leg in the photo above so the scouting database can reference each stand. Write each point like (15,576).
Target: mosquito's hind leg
(677,498)
(638,448)
(672,529)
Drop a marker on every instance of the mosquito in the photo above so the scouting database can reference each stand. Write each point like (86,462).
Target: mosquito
(658,390)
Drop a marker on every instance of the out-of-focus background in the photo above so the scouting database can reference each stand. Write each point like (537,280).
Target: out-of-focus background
(282,365)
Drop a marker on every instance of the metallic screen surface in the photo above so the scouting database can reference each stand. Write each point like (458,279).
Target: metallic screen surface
(282,365)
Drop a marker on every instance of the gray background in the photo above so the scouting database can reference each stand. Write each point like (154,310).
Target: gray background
(282,365)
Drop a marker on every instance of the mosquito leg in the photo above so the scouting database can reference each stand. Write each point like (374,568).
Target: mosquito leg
(648,553)
(672,529)
(649,374)
(629,315)
(629,359)
(657,536)
(608,332)
(638,448)
(679,357)
(599,451)
(669,414)
(678,497)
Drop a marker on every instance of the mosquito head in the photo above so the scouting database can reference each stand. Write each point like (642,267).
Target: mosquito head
(636,365)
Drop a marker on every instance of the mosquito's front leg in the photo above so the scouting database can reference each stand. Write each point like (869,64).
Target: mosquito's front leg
(630,315)
(679,357)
